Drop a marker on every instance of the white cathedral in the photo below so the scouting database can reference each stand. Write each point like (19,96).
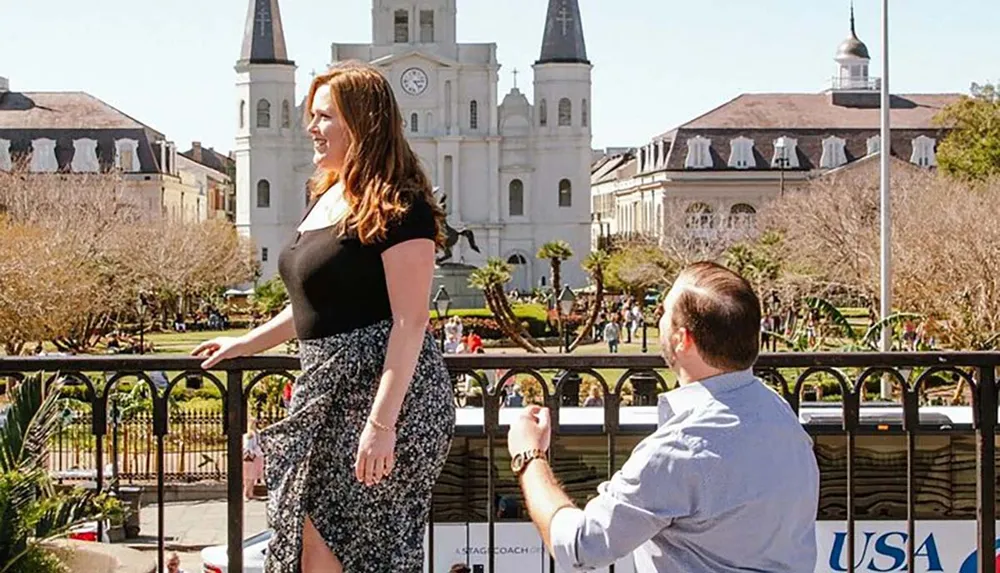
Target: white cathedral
(515,173)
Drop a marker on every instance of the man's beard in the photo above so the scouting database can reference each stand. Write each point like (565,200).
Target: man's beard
(669,356)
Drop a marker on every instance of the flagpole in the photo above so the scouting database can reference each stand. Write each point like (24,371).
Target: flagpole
(885,146)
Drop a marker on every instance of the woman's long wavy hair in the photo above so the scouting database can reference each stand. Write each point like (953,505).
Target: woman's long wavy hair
(381,175)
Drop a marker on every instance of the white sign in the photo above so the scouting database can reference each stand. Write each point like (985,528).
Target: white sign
(880,546)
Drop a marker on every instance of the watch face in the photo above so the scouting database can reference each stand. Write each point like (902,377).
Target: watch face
(414,81)
(517,463)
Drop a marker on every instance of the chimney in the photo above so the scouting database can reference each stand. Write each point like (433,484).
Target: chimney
(4,85)
(196,150)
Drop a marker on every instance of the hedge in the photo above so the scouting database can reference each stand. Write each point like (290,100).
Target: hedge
(535,316)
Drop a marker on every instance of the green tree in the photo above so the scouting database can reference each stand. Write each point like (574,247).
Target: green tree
(491,279)
(971,149)
(270,297)
(32,511)
(595,263)
(759,261)
(556,252)
(635,268)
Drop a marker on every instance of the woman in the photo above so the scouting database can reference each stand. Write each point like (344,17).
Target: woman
(350,470)
(253,460)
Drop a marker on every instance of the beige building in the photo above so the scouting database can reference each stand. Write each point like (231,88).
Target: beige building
(718,170)
(211,173)
(75,132)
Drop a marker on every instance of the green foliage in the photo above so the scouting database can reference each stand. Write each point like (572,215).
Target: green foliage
(482,320)
(972,148)
(270,297)
(32,510)
(758,261)
(633,269)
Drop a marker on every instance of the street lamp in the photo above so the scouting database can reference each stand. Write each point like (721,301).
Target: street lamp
(566,300)
(782,158)
(141,307)
(442,302)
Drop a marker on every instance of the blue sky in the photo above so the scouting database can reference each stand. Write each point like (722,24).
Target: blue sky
(658,63)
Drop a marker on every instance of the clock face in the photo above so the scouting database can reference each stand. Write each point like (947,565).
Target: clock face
(414,81)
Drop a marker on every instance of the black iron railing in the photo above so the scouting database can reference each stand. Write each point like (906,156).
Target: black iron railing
(624,380)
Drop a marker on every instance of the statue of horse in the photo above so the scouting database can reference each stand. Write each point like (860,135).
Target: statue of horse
(452,235)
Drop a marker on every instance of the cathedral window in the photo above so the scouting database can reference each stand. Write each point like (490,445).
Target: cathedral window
(263,194)
(699,155)
(543,113)
(427,26)
(923,152)
(243,113)
(286,114)
(401,25)
(515,199)
(833,153)
(741,153)
(584,113)
(565,193)
(473,115)
(565,112)
(414,123)
(263,113)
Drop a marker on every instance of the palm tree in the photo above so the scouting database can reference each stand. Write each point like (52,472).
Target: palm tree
(32,511)
(595,263)
(491,280)
(556,252)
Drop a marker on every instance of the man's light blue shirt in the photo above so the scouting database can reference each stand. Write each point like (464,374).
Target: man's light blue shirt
(728,482)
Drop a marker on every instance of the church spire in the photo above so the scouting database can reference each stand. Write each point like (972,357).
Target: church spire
(263,36)
(563,40)
(853,33)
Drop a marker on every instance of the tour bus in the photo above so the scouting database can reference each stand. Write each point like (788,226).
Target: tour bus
(945,462)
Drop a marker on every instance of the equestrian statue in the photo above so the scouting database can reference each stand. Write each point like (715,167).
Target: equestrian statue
(452,235)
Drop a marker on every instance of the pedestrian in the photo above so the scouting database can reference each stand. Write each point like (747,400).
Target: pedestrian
(253,460)
(611,334)
(708,491)
(174,564)
(350,469)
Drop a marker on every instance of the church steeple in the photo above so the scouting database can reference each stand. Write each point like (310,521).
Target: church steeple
(263,36)
(563,40)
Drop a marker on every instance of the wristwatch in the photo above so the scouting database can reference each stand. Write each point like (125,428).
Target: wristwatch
(522,459)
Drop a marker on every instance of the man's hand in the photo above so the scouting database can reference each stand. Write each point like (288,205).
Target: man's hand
(532,430)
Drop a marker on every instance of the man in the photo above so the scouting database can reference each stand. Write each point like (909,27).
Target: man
(728,481)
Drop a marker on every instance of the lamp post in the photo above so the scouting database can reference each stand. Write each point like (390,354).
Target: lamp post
(442,302)
(566,300)
(782,158)
(141,307)
(885,218)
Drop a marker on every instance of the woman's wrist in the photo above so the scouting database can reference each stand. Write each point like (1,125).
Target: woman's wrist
(378,425)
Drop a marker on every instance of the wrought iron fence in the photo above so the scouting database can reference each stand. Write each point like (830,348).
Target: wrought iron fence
(624,380)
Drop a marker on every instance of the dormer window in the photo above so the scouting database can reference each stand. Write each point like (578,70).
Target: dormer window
(699,155)
(786,155)
(126,155)
(5,162)
(833,153)
(85,156)
(923,152)
(43,156)
(741,153)
(874,144)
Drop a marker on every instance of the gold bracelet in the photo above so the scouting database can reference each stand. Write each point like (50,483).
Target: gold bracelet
(378,425)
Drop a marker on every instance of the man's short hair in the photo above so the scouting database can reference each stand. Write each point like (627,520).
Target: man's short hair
(460,568)
(722,313)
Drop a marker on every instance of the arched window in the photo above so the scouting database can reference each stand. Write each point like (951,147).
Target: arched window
(565,112)
(515,199)
(263,194)
(565,193)
(699,216)
(543,113)
(519,278)
(741,215)
(286,114)
(473,114)
(263,113)
(243,113)
(414,123)
(584,113)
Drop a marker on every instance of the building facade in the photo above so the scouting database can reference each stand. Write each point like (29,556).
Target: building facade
(515,172)
(718,170)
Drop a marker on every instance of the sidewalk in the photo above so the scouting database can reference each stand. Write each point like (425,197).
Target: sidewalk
(193,525)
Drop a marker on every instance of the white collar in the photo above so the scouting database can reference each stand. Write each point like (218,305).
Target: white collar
(691,396)
(329,209)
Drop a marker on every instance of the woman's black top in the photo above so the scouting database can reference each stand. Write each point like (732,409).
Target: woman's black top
(335,283)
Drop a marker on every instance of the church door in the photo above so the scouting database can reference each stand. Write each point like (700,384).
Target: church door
(520,281)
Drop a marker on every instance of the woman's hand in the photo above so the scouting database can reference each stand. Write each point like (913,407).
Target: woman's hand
(218,349)
(376,454)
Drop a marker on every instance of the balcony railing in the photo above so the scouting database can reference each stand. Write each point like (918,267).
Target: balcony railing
(628,383)
(856,84)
